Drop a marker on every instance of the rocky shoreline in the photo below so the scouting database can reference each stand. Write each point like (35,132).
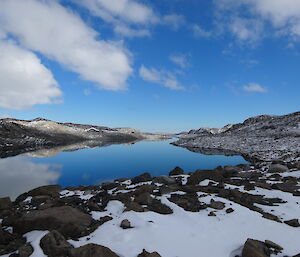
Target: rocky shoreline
(22,136)
(258,139)
(230,211)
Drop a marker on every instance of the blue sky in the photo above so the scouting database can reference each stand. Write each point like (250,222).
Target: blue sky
(152,65)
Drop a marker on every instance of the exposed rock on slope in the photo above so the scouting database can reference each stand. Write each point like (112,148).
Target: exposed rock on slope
(19,136)
(261,138)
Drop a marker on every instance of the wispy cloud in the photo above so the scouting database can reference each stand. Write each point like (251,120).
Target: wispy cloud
(199,32)
(180,60)
(174,21)
(161,77)
(255,88)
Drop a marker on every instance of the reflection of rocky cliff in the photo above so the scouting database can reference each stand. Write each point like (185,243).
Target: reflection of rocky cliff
(262,138)
(20,174)
(19,136)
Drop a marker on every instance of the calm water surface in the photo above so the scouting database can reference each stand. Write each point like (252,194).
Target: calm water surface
(93,166)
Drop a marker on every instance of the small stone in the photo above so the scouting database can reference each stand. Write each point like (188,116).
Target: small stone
(229,210)
(216,205)
(125,224)
(212,214)
(292,223)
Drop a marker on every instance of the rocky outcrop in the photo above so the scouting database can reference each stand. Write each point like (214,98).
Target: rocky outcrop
(257,139)
(20,136)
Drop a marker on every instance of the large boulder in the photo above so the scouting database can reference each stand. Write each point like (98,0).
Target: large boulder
(164,180)
(55,245)
(255,248)
(201,175)
(50,190)
(157,206)
(5,203)
(67,220)
(278,168)
(188,202)
(176,171)
(141,178)
(92,250)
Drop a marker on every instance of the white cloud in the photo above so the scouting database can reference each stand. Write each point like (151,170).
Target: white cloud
(115,10)
(161,77)
(175,21)
(58,33)
(246,29)
(24,80)
(180,60)
(199,32)
(127,31)
(283,15)
(254,87)
(128,17)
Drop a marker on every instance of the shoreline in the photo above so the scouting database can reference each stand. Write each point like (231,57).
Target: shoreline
(90,217)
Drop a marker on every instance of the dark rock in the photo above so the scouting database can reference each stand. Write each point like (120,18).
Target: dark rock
(109,185)
(144,189)
(212,214)
(157,206)
(271,244)
(278,168)
(147,254)
(67,220)
(176,171)
(25,250)
(188,202)
(104,219)
(143,199)
(54,244)
(92,250)
(255,248)
(125,224)
(164,180)
(249,187)
(201,175)
(230,171)
(271,217)
(141,178)
(5,203)
(5,237)
(133,206)
(229,210)
(216,205)
(292,223)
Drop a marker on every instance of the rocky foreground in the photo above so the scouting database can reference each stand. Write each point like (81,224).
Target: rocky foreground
(259,139)
(230,211)
(20,136)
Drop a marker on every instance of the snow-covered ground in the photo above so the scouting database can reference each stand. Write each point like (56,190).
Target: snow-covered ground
(188,234)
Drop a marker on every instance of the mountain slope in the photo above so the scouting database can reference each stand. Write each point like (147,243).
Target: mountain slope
(18,136)
(261,138)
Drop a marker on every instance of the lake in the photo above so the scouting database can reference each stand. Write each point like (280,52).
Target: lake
(95,165)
